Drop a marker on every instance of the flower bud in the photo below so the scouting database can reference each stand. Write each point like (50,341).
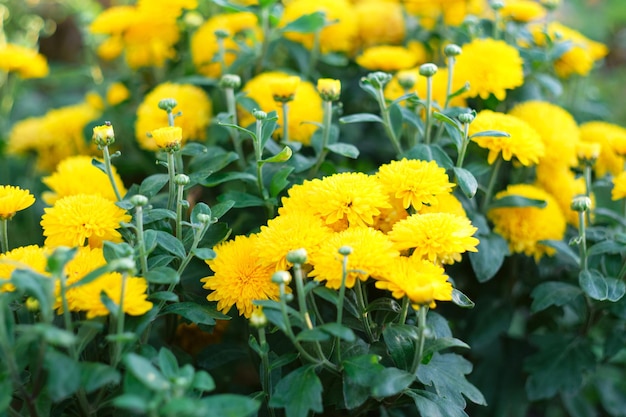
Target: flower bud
(588,152)
(345,250)
(221,34)
(181,179)
(297,256)
(377,79)
(284,89)
(230,81)
(581,203)
(258,318)
(168,104)
(204,218)
(281,277)
(329,89)
(428,70)
(496,4)
(406,79)
(452,50)
(32,304)
(466,118)
(259,114)
(550,5)
(124,265)
(193,19)
(139,200)
(168,138)
(104,135)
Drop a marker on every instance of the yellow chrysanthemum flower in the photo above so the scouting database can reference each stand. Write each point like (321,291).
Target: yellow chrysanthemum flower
(522,10)
(284,89)
(306,107)
(369,16)
(393,89)
(446,203)
(87,297)
(25,257)
(490,66)
(340,36)
(450,12)
(23,61)
(561,182)
(192,101)
(388,58)
(13,199)
(415,182)
(239,276)
(390,216)
(77,175)
(525,227)
(524,143)
(168,138)
(290,232)
(619,186)
(55,136)
(348,199)
(438,237)
(242,28)
(372,256)
(420,280)
(117,93)
(579,59)
(557,128)
(329,89)
(82,218)
(612,139)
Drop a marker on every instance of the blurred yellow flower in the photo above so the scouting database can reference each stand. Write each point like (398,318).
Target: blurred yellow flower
(524,143)
(612,140)
(490,66)
(13,199)
(394,89)
(619,186)
(438,237)
(340,35)
(329,89)
(372,256)
(82,219)
(305,107)
(415,182)
(31,257)
(117,93)
(561,182)
(525,227)
(420,280)
(371,32)
(192,101)
(522,10)
(77,175)
(451,12)
(23,61)
(239,276)
(388,58)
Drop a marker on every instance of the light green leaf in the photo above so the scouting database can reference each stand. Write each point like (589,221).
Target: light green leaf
(593,283)
(344,149)
(551,293)
(299,392)
(466,181)
(361,117)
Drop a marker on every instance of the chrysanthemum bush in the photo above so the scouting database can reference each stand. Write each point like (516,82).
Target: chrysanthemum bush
(310,208)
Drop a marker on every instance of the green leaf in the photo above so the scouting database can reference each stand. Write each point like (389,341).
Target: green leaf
(395,119)
(279,180)
(430,153)
(430,404)
(491,133)
(241,199)
(338,330)
(561,364)
(299,392)
(167,363)
(170,243)
(154,215)
(446,373)
(283,156)
(162,275)
(563,249)
(307,23)
(94,375)
(552,293)
(52,334)
(164,296)
(492,250)
(312,335)
(449,121)
(6,392)
(400,340)
(435,345)
(616,289)
(268,127)
(461,299)
(466,181)
(361,117)
(202,381)
(607,246)
(222,208)
(195,313)
(145,372)
(391,381)
(63,375)
(611,387)
(222,177)
(206,254)
(230,405)
(344,149)
(593,283)
(131,402)
(516,201)
(362,369)
(153,184)
(38,286)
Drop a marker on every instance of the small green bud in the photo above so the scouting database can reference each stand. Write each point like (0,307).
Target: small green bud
(581,203)
(467,118)
(258,318)
(496,4)
(345,250)
(230,81)
(377,79)
(124,265)
(181,179)
(452,50)
(222,33)
(204,218)
(139,200)
(550,5)
(259,114)
(281,277)
(406,79)
(428,70)
(297,256)
(168,104)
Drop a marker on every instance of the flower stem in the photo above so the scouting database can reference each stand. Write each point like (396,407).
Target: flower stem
(582,236)
(171,170)
(143,255)
(179,212)
(109,171)
(4,235)
(285,107)
(258,151)
(119,326)
(266,382)
(297,273)
(421,339)
(384,111)
(365,318)
(404,311)
(234,133)
(461,157)
(429,109)
(587,174)
(492,184)
(326,125)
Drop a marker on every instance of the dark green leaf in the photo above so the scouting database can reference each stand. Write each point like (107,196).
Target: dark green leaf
(551,293)
(448,120)
(461,299)
(391,381)
(492,250)
(167,363)
(395,119)
(466,181)
(312,335)
(616,289)
(344,149)
(145,372)
(268,127)
(53,335)
(230,405)
(6,392)
(430,404)
(400,340)
(154,215)
(435,345)
(593,283)
(153,184)
(63,375)
(222,208)
(196,313)
(563,249)
(607,246)
(38,286)
(204,253)
(430,153)
(199,208)
(96,375)
(361,117)
(202,381)
(279,180)
(307,23)
(131,402)
(222,177)
(338,330)
(170,244)
(241,200)
(164,296)
(516,201)
(491,133)
(362,369)
(299,392)
(162,275)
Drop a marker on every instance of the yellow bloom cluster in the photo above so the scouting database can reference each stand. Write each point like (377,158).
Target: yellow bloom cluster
(23,61)
(13,199)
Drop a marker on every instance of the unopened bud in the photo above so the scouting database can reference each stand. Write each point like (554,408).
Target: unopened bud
(406,79)
(284,89)
(297,256)
(259,114)
(230,81)
(257,318)
(222,33)
(103,135)
(168,138)
(126,265)
(32,304)
(281,277)
(204,218)
(581,203)
(377,79)
(345,250)
(139,200)
(329,89)
(496,4)
(466,118)
(428,70)
(168,104)
(181,179)
(452,50)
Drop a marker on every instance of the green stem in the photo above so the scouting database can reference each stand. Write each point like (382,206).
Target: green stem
(119,327)
(492,183)
(67,318)
(315,53)
(421,339)
(109,171)
(582,236)
(365,318)
(429,109)
(496,25)
(141,243)
(326,125)
(285,107)
(258,151)
(451,62)
(265,42)
(340,300)
(221,54)
(384,111)
(171,170)
(266,382)
(196,240)
(179,212)
(404,311)
(4,235)
(231,107)
(297,273)
(587,174)
(461,158)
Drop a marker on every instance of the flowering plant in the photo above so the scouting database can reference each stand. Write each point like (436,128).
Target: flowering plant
(289,208)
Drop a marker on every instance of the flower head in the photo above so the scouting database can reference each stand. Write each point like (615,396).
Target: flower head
(31,257)
(561,182)
(438,237)
(619,186)
(305,107)
(420,280)
(523,141)
(388,58)
(415,182)
(168,138)
(78,175)
(23,61)
(522,10)
(192,101)
(439,81)
(372,254)
(371,32)
(284,89)
(525,227)
(13,199)
(491,67)
(612,141)
(82,218)
(329,89)
(239,276)
(117,93)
